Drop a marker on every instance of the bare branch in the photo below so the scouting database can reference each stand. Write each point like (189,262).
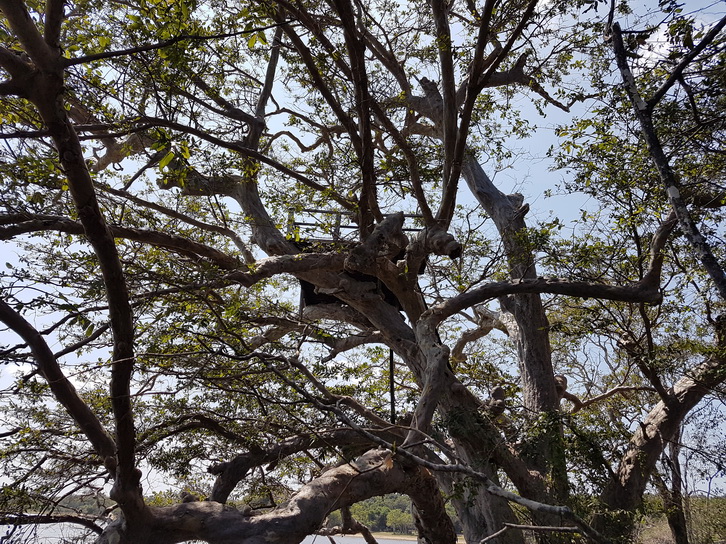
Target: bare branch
(248,257)
(581,404)
(535,528)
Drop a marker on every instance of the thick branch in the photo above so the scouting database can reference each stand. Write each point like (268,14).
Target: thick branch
(449,117)
(27,34)
(625,492)
(368,201)
(377,472)
(46,96)
(230,473)
(637,292)
(562,512)
(53,20)
(302,262)
(14,63)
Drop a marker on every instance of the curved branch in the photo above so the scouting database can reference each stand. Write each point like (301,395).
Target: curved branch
(486,322)
(249,258)
(637,292)
(62,389)
(230,473)
(166,43)
(375,473)
(38,519)
(581,404)
(184,423)
(645,290)
(248,152)
(29,224)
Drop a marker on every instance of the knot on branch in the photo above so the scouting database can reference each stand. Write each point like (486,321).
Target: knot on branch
(386,240)
(441,242)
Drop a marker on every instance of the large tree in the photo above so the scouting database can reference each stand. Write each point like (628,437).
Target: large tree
(175,171)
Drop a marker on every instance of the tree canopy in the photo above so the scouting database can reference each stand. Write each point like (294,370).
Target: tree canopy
(264,257)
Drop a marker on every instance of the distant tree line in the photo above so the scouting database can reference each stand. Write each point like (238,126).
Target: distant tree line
(388,513)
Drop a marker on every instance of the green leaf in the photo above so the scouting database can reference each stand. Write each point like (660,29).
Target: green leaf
(167,159)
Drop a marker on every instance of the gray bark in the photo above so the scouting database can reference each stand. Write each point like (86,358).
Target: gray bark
(378,472)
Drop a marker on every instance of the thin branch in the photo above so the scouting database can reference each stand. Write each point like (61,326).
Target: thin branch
(22,134)
(535,528)
(698,242)
(678,70)
(614,391)
(179,244)
(251,153)
(97,333)
(165,43)
(459,141)
(249,258)
(37,519)
(62,389)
